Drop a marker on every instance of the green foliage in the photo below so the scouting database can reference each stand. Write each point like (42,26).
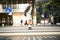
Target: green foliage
(47,3)
(49,6)
(38,13)
(45,6)
(39,17)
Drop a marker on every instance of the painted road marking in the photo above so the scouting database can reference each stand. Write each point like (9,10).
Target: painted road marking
(34,38)
(24,38)
(29,38)
(45,36)
(38,38)
(53,36)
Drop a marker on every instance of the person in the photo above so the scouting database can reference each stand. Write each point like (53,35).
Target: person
(26,23)
(56,19)
(52,19)
(21,22)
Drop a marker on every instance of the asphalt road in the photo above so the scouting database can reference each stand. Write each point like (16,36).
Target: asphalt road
(37,37)
(14,33)
(25,29)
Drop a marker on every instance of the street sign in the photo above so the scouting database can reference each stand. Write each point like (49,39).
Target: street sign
(9,9)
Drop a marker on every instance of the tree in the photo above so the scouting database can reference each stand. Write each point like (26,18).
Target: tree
(39,10)
(52,7)
(42,7)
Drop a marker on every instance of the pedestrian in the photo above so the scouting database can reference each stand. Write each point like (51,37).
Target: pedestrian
(52,19)
(26,22)
(55,19)
(21,22)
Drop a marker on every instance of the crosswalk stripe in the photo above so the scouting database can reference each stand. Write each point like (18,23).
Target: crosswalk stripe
(45,36)
(34,38)
(53,36)
(49,36)
(38,38)
(29,38)
(24,38)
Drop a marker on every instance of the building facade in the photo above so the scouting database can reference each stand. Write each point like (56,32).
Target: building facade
(20,9)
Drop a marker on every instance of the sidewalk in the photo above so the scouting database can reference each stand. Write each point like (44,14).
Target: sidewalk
(46,22)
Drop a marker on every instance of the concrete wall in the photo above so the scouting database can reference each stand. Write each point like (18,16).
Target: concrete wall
(17,17)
